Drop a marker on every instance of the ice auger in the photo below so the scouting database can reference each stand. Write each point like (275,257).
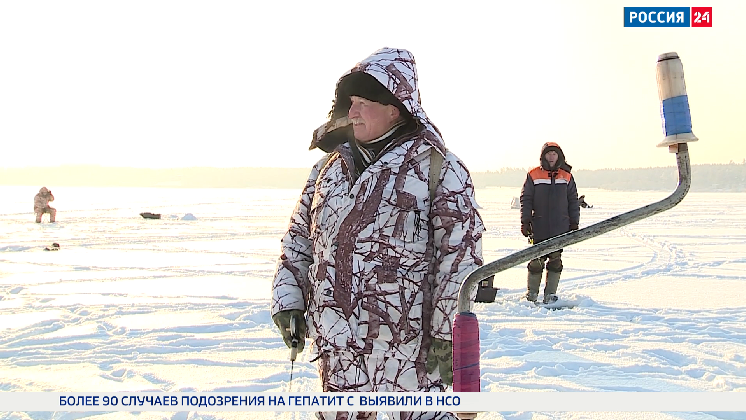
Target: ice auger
(677,125)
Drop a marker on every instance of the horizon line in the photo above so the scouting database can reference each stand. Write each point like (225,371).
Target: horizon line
(92,165)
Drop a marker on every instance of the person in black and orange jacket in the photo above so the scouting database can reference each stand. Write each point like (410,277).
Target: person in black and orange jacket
(549,207)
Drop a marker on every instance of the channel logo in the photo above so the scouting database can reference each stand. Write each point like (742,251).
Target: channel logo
(667,17)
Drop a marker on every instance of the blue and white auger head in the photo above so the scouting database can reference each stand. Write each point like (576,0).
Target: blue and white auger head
(675,116)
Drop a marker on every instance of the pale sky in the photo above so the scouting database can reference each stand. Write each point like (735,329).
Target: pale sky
(242,83)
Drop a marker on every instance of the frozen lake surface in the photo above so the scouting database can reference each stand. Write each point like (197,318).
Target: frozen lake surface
(172,305)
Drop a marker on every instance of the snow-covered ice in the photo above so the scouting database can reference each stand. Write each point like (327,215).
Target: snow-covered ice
(130,304)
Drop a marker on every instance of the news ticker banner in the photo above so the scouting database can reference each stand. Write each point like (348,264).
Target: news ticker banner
(668,17)
(374,401)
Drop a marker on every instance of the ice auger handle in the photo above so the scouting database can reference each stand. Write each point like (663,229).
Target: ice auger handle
(678,132)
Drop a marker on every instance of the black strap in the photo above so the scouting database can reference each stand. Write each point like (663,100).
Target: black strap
(436,164)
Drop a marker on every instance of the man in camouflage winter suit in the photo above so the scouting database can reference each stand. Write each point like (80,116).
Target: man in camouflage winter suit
(41,205)
(368,262)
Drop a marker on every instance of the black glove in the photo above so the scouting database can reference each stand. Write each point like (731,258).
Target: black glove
(526,229)
(573,227)
(282,320)
(441,356)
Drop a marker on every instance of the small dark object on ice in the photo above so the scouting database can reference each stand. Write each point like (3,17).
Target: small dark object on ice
(55,247)
(149,215)
(486,292)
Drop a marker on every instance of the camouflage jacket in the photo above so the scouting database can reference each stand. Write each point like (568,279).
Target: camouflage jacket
(358,252)
(42,199)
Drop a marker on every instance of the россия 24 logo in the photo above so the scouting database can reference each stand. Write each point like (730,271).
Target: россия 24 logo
(668,17)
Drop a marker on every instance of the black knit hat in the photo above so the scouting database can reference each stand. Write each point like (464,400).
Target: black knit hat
(365,86)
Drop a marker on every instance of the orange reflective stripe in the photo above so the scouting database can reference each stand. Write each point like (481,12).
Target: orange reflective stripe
(563,174)
(538,173)
(541,176)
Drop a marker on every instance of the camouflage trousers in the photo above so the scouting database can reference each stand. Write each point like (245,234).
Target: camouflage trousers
(40,212)
(345,372)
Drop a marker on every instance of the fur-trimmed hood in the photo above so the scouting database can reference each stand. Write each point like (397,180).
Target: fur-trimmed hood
(561,163)
(394,69)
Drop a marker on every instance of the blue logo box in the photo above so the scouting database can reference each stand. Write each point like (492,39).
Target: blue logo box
(657,17)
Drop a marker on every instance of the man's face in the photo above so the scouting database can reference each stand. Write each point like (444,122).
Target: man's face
(371,120)
(551,157)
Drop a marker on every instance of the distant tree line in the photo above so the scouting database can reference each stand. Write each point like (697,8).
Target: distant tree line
(711,177)
(204,177)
